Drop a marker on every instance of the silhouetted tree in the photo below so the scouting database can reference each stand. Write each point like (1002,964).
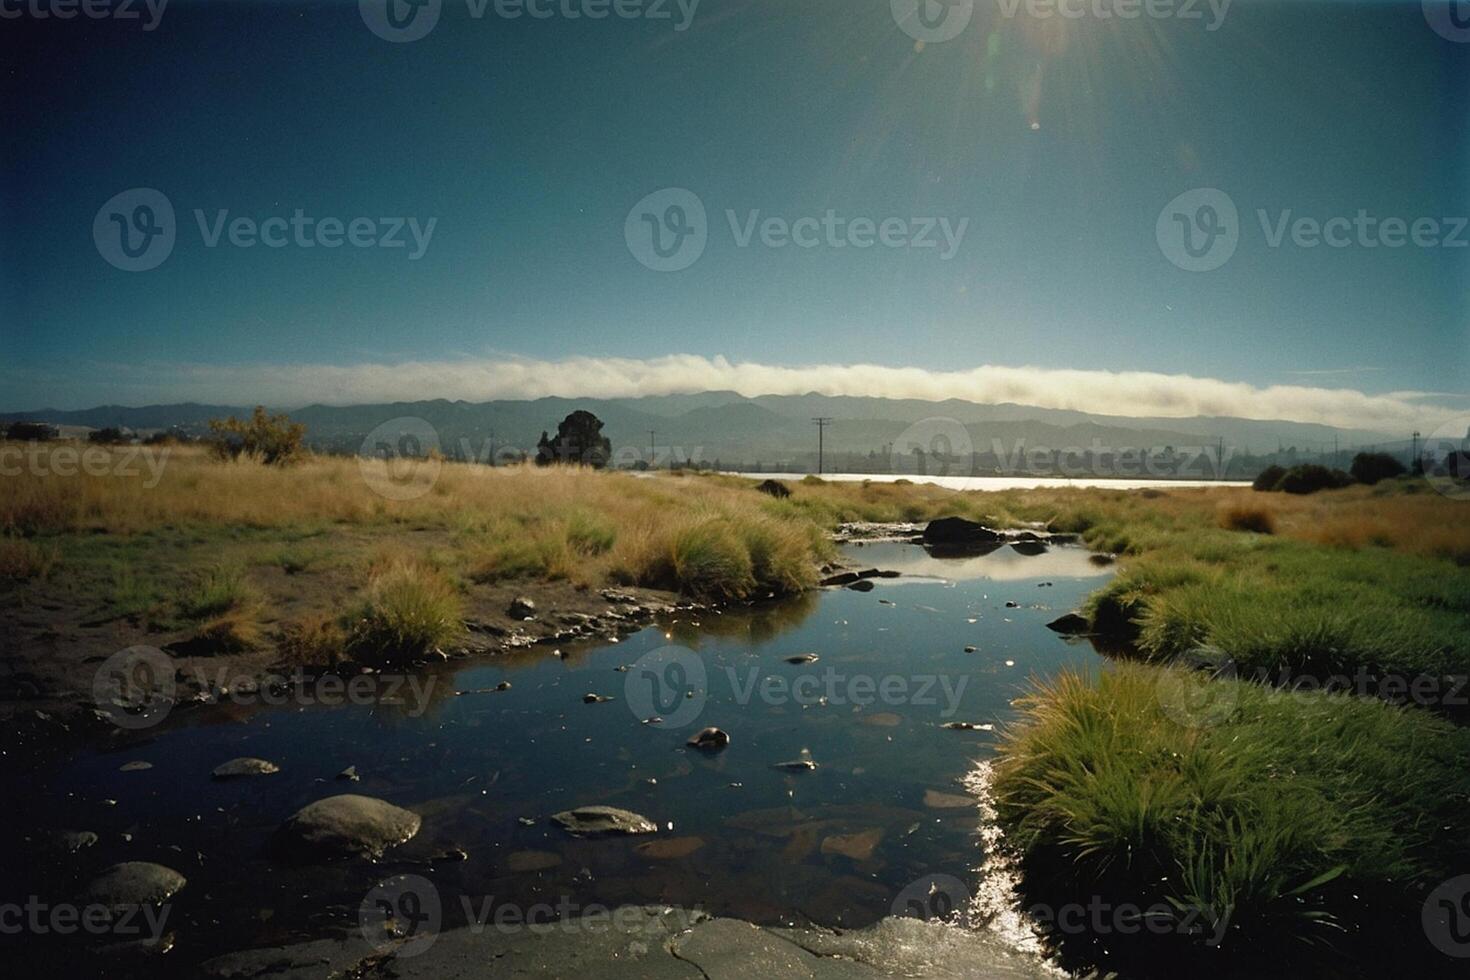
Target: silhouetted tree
(579,441)
(1372,467)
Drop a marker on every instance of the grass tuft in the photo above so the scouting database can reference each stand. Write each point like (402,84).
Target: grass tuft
(408,609)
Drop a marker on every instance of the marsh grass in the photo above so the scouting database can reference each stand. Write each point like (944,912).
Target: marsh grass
(22,560)
(1297,815)
(218,590)
(407,609)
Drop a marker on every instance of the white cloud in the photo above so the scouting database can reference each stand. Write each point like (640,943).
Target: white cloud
(1131,393)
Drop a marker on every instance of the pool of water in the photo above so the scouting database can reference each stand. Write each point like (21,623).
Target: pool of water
(835,845)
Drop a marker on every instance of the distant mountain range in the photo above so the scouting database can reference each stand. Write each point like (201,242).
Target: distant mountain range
(769,432)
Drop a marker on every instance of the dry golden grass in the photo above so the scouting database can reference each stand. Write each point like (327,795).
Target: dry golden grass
(1247,517)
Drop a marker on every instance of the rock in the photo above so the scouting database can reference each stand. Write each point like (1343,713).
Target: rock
(134,883)
(586,821)
(1071,624)
(669,849)
(710,739)
(521,608)
(970,649)
(244,766)
(595,698)
(804,763)
(968,726)
(1012,604)
(842,578)
(136,765)
(803,658)
(1029,548)
(503,686)
(858,846)
(1101,560)
(350,774)
(936,800)
(956,531)
(347,824)
(72,841)
(521,862)
(774,488)
(862,585)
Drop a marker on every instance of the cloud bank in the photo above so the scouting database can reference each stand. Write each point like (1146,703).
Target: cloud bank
(1130,393)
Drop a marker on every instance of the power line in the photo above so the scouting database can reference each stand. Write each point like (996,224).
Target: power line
(822,422)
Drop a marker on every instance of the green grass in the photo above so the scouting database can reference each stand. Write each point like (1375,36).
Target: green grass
(216,591)
(407,609)
(1291,815)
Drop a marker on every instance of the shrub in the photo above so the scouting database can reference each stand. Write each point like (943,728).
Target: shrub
(271,439)
(1268,478)
(315,641)
(31,432)
(1244,517)
(711,560)
(218,590)
(109,436)
(1370,468)
(409,608)
(1310,477)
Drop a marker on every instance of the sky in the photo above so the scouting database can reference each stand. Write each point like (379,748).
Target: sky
(924,206)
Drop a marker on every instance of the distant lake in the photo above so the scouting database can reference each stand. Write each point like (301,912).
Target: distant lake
(1003,482)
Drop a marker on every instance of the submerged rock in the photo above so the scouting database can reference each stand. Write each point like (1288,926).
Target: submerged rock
(595,698)
(347,824)
(862,585)
(134,883)
(244,766)
(521,862)
(1071,624)
(858,846)
(671,849)
(710,739)
(136,765)
(803,658)
(585,821)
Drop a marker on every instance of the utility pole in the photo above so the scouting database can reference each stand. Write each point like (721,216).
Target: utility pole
(1413,459)
(652,448)
(821,422)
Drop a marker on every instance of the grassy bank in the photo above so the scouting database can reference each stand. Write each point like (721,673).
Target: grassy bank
(1267,817)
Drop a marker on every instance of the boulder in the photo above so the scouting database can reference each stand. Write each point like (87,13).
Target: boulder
(957,531)
(589,821)
(244,766)
(134,883)
(521,608)
(346,825)
(1070,624)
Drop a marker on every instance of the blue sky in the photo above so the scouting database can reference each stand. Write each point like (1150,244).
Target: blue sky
(527,142)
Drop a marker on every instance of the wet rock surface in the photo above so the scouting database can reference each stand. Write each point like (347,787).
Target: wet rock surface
(132,884)
(244,766)
(346,825)
(658,943)
(588,821)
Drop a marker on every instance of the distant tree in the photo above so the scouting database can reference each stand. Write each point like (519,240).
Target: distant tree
(1372,467)
(271,439)
(1311,477)
(1268,478)
(31,431)
(579,441)
(109,436)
